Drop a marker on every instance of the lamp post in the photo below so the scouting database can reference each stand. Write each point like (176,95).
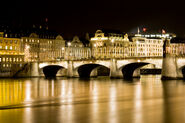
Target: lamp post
(112,48)
(69,50)
(94,50)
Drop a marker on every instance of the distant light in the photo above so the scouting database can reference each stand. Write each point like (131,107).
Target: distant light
(112,40)
(27,46)
(138,60)
(94,45)
(163,31)
(144,29)
(69,44)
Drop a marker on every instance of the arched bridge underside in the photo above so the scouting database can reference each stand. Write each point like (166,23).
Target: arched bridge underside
(51,70)
(129,69)
(84,71)
(183,72)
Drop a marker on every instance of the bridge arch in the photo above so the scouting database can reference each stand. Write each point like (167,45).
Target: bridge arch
(128,69)
(50,71)
(84,71)
(182,70)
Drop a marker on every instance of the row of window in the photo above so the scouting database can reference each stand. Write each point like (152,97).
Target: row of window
(37,41)
(8,47)
(9,41)
(32,40)
(10,59)
(10,65)
(146,54)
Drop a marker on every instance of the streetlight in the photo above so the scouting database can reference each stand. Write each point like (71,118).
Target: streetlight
(69,44)
(94,50)
(112,41)
(27,47)
(68,50)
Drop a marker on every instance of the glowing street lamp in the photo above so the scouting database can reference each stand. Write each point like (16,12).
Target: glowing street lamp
(69,44)
(27,47)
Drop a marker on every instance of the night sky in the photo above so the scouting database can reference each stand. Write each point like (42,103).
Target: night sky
(78,17)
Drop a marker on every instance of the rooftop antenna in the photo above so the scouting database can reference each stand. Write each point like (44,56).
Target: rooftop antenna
(46,23)
(138,31)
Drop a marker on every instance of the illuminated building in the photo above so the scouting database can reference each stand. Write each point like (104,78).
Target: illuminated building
(105,46)
(76,50)
(145,47)
(165,35)
(44,48)
(11,56)
(177,47)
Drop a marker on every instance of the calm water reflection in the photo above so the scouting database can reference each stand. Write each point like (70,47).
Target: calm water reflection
(102,100)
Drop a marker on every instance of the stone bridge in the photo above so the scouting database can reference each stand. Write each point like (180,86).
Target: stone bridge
(118,68)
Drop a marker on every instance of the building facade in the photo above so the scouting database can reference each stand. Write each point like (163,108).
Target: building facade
(43,49)
(109,46)
(176,47)
(76,50)
(145,47)
(11,56)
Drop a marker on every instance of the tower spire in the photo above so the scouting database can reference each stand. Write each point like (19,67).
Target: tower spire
(138,31)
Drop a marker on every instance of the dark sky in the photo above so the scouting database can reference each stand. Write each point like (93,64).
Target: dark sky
(77,17)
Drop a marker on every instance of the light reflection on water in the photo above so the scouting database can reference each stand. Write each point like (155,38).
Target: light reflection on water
(96,100)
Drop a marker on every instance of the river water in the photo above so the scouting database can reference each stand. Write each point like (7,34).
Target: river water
(95,100)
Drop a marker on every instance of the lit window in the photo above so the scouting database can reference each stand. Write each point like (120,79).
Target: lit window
(3,59)
(0,59)
(14,59)
(0,47)
(6,59)
(10,59)
(20,59)
(17,59)
(6,47)
(3,65)
(7,65)
(10,47)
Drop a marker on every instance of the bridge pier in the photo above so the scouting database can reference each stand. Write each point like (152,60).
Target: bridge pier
(29,70)
(34,69)
(169,67)
(70,71)
(114,72)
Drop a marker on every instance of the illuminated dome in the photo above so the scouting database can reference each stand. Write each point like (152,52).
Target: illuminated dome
(99,31)
(33,35)
(59,37)
(76,42)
